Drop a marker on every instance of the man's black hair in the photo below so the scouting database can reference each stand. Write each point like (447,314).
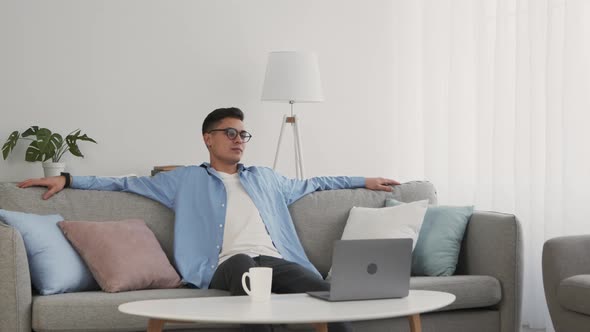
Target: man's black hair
(219,114)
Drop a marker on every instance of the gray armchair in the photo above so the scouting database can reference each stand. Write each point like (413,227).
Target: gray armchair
(566,278)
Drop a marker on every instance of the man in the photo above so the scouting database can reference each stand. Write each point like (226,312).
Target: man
(229,217)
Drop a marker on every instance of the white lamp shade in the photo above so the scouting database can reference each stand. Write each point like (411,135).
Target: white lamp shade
(292,76)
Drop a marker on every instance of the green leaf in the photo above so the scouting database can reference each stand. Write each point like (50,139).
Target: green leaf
(45,147)
(73,146)
(31,131)
(10,144)
(72,141)
(86,138)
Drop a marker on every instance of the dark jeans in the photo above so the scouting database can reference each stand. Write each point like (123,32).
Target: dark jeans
(287,277)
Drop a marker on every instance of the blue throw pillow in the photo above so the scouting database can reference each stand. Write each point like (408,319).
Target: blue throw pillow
(54,265)
(439,241)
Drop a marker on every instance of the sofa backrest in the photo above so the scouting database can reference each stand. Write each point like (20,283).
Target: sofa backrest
(91,205)
(319,217)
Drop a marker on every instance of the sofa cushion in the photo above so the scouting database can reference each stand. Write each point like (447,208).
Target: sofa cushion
(439,243)
(55,266)
(320,217)
(396,222)
(122,255)
(574,293)
(98,311)
(471,291)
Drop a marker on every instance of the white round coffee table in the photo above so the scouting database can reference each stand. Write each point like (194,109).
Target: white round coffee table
(285,309)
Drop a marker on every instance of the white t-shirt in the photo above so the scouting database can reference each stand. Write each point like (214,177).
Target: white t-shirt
(245,232)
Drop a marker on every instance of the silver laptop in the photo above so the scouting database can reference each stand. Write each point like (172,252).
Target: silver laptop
(369,269)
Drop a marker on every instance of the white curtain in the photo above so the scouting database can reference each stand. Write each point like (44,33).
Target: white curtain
(492,104)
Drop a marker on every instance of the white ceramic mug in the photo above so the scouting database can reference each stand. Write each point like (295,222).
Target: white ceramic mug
(260,283)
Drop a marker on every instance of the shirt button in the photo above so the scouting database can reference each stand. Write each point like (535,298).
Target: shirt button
(222,205)
(217,247)
(212,266)
(220,225)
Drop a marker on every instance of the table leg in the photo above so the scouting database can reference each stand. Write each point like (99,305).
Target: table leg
(156,325)
(321,327)
(415,325)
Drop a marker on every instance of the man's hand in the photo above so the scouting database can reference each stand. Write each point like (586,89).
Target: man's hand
(380,184)
(54,184)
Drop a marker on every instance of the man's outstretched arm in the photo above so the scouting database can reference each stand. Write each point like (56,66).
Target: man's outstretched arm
(293,189)
(161,188)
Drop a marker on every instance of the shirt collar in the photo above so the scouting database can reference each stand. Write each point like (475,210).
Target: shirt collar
(212,171)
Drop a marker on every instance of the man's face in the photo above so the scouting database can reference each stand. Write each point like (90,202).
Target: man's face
(221,147)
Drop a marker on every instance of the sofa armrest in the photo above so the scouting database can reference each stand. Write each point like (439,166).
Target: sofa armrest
(563,257)
(15,282)
(492,246)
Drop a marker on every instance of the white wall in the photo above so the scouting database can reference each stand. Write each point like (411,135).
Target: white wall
(140,76)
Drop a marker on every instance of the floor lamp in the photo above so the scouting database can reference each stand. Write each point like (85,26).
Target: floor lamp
(292,77)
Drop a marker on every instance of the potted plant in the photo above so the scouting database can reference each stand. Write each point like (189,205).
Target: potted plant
(47,147)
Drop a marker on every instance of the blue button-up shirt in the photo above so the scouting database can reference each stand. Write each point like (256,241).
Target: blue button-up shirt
(198,197)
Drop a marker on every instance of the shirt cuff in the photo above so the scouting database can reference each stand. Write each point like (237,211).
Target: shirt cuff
(357,182)
(80,182)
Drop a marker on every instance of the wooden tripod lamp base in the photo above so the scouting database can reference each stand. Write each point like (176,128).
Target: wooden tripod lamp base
(293,120)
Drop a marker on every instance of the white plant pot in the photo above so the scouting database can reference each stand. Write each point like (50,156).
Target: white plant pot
(53,169)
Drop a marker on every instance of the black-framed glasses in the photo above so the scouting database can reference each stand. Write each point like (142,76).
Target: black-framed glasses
(232,133)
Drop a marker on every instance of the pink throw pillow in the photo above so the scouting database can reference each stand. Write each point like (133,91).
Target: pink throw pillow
(122,255)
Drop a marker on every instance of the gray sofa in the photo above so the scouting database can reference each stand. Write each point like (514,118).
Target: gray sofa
(487,284)
(566,278)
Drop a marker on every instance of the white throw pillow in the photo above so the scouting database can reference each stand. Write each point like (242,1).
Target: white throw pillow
(396,222)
